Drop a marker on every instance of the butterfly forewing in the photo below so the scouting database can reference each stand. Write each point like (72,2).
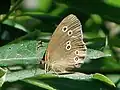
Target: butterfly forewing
(66,49)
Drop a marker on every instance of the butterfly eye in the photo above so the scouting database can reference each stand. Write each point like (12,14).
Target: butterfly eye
(76,52)
(68,42)
(65,28)
(68,47)
(70,33)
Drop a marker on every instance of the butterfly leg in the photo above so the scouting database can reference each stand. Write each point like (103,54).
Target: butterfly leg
(45,68)
(46,63)
(54,70)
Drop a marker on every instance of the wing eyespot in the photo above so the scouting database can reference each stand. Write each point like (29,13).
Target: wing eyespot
(65,28)
(76,52)
(76,59)
(68,47)
(77,65)
(70,32)
(68,42)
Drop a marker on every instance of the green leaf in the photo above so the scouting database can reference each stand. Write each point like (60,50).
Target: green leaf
(21,53)
(51,81)
(112,3)
(20,75)
(76,76)
(2,76)
(95,54)
(103,78)
(21,22)
(75,81)
(39,84)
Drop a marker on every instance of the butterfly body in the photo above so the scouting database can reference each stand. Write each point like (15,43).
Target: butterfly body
(66,49)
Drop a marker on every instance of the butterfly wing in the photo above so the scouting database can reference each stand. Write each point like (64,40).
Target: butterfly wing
(66,49)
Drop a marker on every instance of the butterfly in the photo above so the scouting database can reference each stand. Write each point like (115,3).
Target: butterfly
(66,49)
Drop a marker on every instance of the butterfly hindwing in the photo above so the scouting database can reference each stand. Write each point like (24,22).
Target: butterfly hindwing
(66,49)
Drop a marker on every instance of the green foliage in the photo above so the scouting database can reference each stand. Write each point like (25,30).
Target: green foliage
(37,21)
(103,78)
(2,76)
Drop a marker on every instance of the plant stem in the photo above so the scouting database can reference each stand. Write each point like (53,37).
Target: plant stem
(15,6)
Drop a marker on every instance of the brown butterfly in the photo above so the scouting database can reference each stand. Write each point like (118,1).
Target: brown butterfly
(66,49)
